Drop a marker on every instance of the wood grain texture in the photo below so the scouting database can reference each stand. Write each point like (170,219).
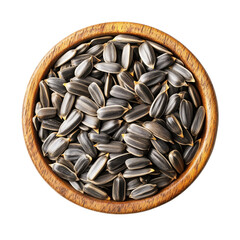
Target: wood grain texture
(204,86)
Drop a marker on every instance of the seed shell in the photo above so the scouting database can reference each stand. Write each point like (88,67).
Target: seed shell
(77,88)
(186,113)
(137,173)
(159,105)
(96,192)
(82,163)
(86,105)
(65,57)
(44,94)
(175,158)
(143,92)
(112,147)
(143,191)
(136,113)
(114,68)
(152,78)
(147,54)
(66,105)
(193,92)
(96,94)
(109,53)
(64,172)
(137,163)
(190,152)
(57,147)
(121,92)
(111,112)
(127,56)
(119,188)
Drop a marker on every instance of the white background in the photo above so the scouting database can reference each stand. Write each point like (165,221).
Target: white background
(31,209)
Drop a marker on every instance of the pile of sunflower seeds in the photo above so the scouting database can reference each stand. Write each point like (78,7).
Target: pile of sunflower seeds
(119,117)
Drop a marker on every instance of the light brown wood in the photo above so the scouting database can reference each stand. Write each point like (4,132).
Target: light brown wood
(204,86)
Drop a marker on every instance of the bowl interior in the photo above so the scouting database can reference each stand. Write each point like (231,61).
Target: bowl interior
(203,84)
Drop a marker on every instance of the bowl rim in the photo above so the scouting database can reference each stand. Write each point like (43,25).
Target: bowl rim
(203,83)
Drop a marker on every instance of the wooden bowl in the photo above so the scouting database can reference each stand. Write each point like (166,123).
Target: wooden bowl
(193,169)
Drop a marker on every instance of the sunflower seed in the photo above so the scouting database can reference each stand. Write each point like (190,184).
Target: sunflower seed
(84,68)
(96,192)
(57,147)
(97,167)
(82,48)
(175,79)
(119,188)
(139,69)
(109,67)
(117,136)
(99,137)
(87,144)
(111,112)
(198,121)
(144,191)
(147,54)
(155,89)
(190,152)
(118,161)
(96,74)
(66,163)
(56,85)
(91,121)
(72,121)
(36,123)
(104,179)
(164,60)
(159,47)
(77,185)
(127,56)
(76,88)
(174,125)
(124,38)
(47,112)
(51,124)
(112,147)
(67,73)
(175,158)
(184,72)
(117,101)
(137,173)
(186,140)
(137,163)
(86,81)
(109,53)
(126,79)
(108,85)
(152,78)
(86,105)
(139,131)
(44,94)
(186,113)
(96,94)
(80,58)
(120,92)
(65,57)
(196,99)
(160,146)
(56,101)
(161,181)
(158,130)
(173,103)
(43,134)
(82,163)
(66,105)
(136,113)
(159,105)
(134,151)
(132,184)
(37,107)
(143,92)
(136,142)
(72,154)
(110,126)
(46,143)
(96,50)
(100,40)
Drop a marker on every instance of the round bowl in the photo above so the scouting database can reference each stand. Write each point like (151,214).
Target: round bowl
(203,83)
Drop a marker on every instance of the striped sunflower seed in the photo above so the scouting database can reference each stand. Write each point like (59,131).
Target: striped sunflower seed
(81,48)
(67,72)
(159,48)
(139,131)
(96,94)
(51,124)
(66,105)
(198,121)
(91,121)
(126,79)
(121,92)
(190,152)
(143,92)
(77,185)
(65,57)
(160,146)
(43,133)
(36,123)
(57,147)
(44,95)
(97,167)
(87,144)
(186,113)
(139,69)
(133,183)
(46,143)
(176,79)
(124,38)
(176,159)
(136,142)
(174,125)
(164,60)
(47,112)
(56,101)
(127,56)
(66,163)
(64,172)
(117,161)
(104,179)
(86,105)
(119,188)
(99,137)
(117,101)
(136,113)
(147,54)
(72,154)
(143,191)
(109,53)
(117,136)
(100,40)
(56,85)
(137,163)
(77,88)
(159,105)
(173,103)
(108,85)
(155,89)
(112,147)
(111,126)
(96,50)
(135,151)
(193,92)
(114,68)
(37,107)
(82,163)
(111,112)
(73,120)
(96,192)
(84,68)
(184,72)
(137,173)
(153,77)
(186,140)
(161,181)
